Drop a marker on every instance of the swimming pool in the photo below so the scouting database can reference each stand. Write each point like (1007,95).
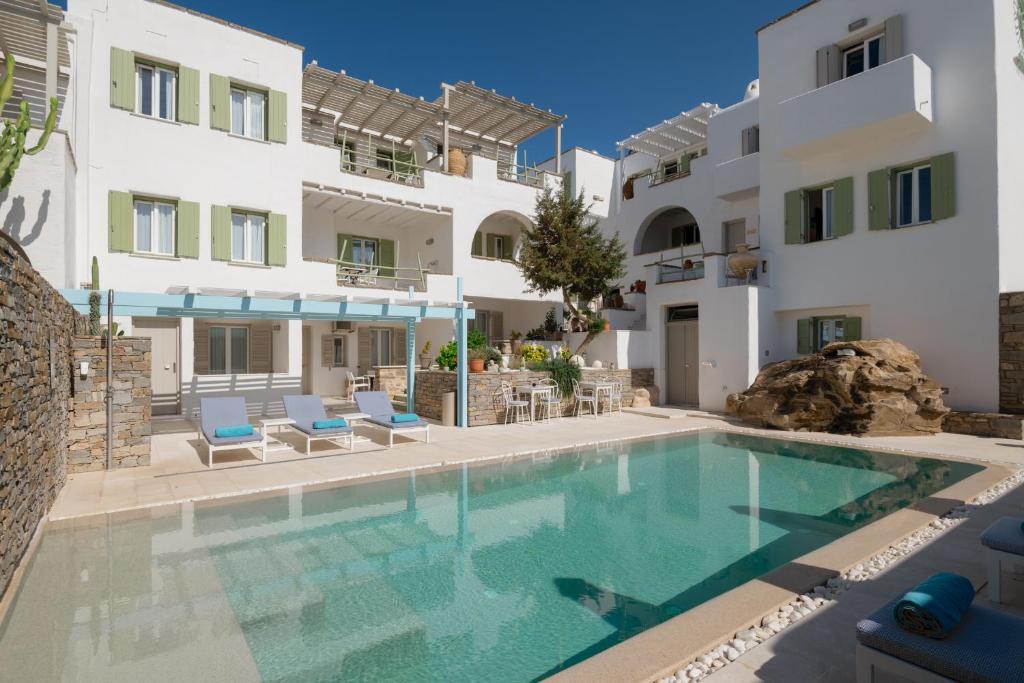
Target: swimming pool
(508,571)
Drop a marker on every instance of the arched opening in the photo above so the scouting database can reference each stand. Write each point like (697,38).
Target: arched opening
(667,228)
(498,236)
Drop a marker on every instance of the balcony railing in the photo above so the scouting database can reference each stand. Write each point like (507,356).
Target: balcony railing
(368,276)
(520,173)
(383,165)
(662,175)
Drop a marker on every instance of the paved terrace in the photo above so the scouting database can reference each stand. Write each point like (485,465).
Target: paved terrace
(818,648)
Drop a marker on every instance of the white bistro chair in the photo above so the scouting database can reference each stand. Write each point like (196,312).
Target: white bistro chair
(584,398)
(513,406)
(360,383)
(615,396)
(551,401)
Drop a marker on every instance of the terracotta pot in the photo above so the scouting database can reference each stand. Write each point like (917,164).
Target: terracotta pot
(641,286)
(742,263)
(627,189)
(456,161)
(607,326)
(476,364)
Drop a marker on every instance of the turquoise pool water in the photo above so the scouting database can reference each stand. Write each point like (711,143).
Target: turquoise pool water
(507,572)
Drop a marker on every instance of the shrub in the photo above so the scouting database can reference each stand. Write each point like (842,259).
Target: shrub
(533,354)
(536,334)
(550,324)
(563,372)
(595,323)
(448,355)
(476,340)
(479,353)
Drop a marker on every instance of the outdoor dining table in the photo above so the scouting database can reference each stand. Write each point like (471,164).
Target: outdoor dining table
(533,391)
(599,386)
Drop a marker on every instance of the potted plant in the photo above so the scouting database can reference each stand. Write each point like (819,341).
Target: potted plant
(517,341)
(448,355)
(477,357)
(425,358)
(641,286)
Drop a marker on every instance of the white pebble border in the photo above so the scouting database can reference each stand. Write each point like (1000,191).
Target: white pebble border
(803,605)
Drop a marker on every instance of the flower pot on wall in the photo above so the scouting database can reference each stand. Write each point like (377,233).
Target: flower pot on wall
(456,161)
(425,362)
(476,364)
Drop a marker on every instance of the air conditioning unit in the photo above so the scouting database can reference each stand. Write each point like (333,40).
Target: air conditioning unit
(344,326)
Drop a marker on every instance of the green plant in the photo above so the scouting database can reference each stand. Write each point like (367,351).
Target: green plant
(565,353)
(563,372)
(448,356)
(515,335)
(478,353)
(12,140)
(476,339)
(595,324)
(493,354)
(116,331)
(536,334)
(426,349)
(533,354)
(550,324)
(95,274)
(94,313)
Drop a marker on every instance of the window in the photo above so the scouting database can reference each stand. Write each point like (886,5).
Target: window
(364,251)
(913,196)
(348,155)
(829,330)
(380,346)
(499,247)
(671,168)
(338,352)
(385,159)
(154,227)
(248,231)
(818,209)
(684,235)
(734,233)
(155,91)
(482,322)
(750,140)
(862,56)
(229,350)
(248,113)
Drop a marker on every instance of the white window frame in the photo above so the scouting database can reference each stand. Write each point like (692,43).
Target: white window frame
(362,242)
(154,91)
(865,45)
(227,348)
(337,342)
(379,333)
(247,108)
(154,230)
(827,213)
(833,324)
(247,253)
(915,200)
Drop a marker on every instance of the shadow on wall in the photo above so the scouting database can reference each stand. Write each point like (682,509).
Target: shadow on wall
(14,220)
(262,393)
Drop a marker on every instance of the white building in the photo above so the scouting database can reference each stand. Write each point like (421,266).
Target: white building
(871,169)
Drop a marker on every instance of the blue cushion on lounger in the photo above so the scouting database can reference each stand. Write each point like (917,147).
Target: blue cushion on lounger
(935,607)
(1005,534)
(405,417)
(238,430)
(386,422)
(330,424)
(983,650)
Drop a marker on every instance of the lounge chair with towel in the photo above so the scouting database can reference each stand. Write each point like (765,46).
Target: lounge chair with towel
(933,634)
(225,425)
(382,414)
(311,421)
(1004,540)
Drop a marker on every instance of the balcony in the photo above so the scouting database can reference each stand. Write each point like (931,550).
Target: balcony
(888,102)
(738,178)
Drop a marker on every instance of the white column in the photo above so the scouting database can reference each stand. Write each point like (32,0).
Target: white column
(294,346)
(558,148)
(51,62)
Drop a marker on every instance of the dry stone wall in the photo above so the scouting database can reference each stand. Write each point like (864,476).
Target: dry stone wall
(36,330)
(132,411)
(1011,352)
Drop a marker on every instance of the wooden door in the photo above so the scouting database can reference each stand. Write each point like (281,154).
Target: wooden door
(163,333)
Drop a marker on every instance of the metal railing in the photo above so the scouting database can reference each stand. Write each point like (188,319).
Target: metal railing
(520,173)
(659,176)
(680,269)
(372,276)
(380,164)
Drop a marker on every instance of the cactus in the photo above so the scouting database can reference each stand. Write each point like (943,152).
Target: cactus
(1019,59)
(95,274)
(12,140)
(94,313)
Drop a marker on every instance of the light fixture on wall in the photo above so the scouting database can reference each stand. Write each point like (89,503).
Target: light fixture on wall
(83,368)
(430,240)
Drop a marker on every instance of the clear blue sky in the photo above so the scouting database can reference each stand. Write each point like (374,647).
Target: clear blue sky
(613,67)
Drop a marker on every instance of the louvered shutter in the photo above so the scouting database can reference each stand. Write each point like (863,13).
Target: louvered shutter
(363,350)
(851,329)
(201,347)
(804,336)
(220,233)
(277,239)
(261,347)
(943,186)
(794,217)
(497,330)
(122,79)
(828,65)
(842,207)
(399,352)
(492,246)
(879,192)
(188,95)
(220,102)
(893,38)
(277,116)
(386,258)
(478,244)
(121,217)
(187,231)
(327,350)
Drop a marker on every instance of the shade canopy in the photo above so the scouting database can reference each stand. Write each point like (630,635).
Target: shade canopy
(23,31)
(688,129)
(484,114)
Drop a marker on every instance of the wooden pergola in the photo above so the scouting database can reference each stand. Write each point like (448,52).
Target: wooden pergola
(34,32)
(684,131)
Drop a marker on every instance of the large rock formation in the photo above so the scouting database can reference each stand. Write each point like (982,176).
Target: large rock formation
(881,389)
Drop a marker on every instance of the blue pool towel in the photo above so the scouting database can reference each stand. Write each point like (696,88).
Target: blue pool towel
(239,430)
(404,417)
(935,607)
(330,424)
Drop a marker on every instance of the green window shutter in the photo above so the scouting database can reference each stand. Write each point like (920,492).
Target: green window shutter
(794,217)
(842,207)
(122,221)
(478,244)
(386,258)
(122,79)
(188,95)
(492,246)
(277,116)
(805,335)
(220,233)
(943,187)
(220,102)
(405,163)
(684,164)
(344,247)
(277,239)
(879,215)
(851,329)
(893,38)
(187,237)
(506,247)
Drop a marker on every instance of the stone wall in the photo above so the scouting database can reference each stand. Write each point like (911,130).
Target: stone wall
(390,379)
(994,425)
(485,405)
(132,399)
(1011,352)
(36,329)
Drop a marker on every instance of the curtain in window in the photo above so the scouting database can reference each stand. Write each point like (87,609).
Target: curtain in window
(143,226)
(257,229)
(218,351)
(237,237)
(239,350)
(146,91)
(165,228)
(238,112)
(256,115)
(166,95)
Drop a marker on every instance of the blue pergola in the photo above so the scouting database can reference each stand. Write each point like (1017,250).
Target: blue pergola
(356,309)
